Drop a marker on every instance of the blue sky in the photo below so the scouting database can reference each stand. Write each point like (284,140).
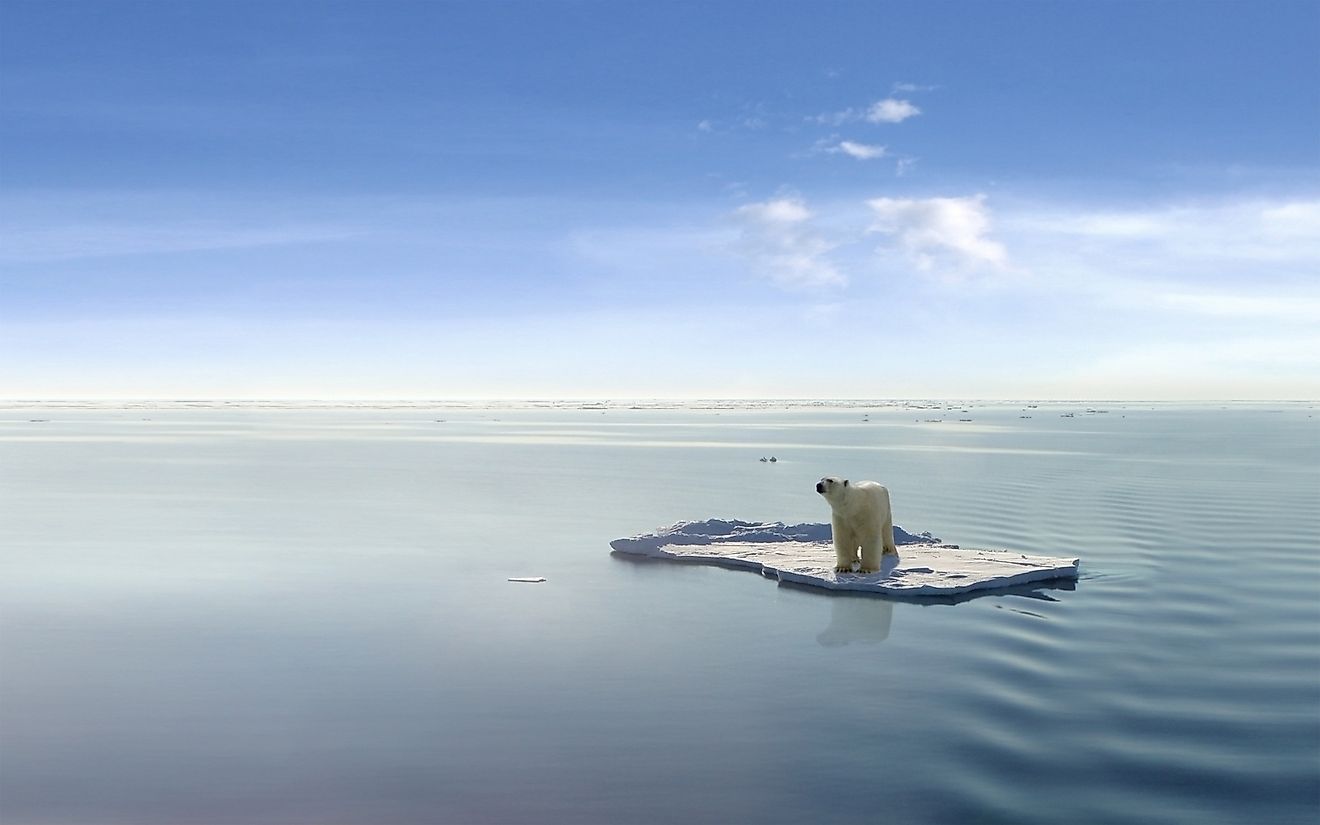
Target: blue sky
(554,199)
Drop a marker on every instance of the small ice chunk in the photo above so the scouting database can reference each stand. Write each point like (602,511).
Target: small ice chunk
(527,579)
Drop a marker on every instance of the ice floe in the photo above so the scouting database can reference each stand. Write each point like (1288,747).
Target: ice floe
(802,554)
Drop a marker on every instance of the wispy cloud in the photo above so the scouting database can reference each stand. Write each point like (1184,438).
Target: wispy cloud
(948,234)
(862,151)
(749,117)
(1258,230)
(889,110)
(780,242)
(909,88)
(1221,304)
(1230,261)
(47,243)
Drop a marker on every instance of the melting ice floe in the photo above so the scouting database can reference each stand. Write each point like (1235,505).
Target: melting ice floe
(802,554)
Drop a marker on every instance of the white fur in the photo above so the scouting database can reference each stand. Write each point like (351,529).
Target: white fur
(862,521)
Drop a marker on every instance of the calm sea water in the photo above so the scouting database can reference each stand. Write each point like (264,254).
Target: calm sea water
(258,615)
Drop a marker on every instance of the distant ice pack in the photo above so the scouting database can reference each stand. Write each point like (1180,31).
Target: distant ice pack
(803,554)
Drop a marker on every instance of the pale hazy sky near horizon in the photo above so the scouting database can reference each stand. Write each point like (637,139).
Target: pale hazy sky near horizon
(661,199)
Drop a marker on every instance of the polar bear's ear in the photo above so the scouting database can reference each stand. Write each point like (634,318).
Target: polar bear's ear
(845,482)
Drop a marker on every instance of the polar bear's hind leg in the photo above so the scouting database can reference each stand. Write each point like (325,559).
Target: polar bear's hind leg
(887,536)
(871,549)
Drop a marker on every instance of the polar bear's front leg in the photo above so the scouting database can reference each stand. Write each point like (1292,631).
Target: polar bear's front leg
(845,546)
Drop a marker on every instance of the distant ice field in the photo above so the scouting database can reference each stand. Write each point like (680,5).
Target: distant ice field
(262,612)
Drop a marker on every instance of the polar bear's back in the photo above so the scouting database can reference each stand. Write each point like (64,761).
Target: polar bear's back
(871,491)
(866,497)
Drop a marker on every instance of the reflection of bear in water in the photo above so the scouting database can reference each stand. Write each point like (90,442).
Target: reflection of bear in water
(857,619)
(861,519)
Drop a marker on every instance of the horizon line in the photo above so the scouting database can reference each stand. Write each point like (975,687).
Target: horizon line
(621,399)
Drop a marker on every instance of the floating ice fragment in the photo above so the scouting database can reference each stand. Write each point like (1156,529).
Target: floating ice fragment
(803,554)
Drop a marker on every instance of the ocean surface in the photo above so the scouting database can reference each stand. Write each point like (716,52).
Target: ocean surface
(249,613)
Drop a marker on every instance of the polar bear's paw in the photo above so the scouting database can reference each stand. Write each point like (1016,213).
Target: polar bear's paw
(843,568)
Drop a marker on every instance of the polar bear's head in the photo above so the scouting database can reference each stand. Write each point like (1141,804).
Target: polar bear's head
(831,487)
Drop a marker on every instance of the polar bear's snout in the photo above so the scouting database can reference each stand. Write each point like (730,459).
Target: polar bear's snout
(820,486)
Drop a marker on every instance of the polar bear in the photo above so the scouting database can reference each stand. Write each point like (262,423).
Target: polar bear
(861,519)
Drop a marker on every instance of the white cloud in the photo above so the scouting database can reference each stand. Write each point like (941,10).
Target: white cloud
(891,110)
(940,233)
(777,238)
(861,151)
(911,87)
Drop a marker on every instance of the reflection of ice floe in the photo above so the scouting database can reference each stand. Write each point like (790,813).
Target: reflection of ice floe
(801,554)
